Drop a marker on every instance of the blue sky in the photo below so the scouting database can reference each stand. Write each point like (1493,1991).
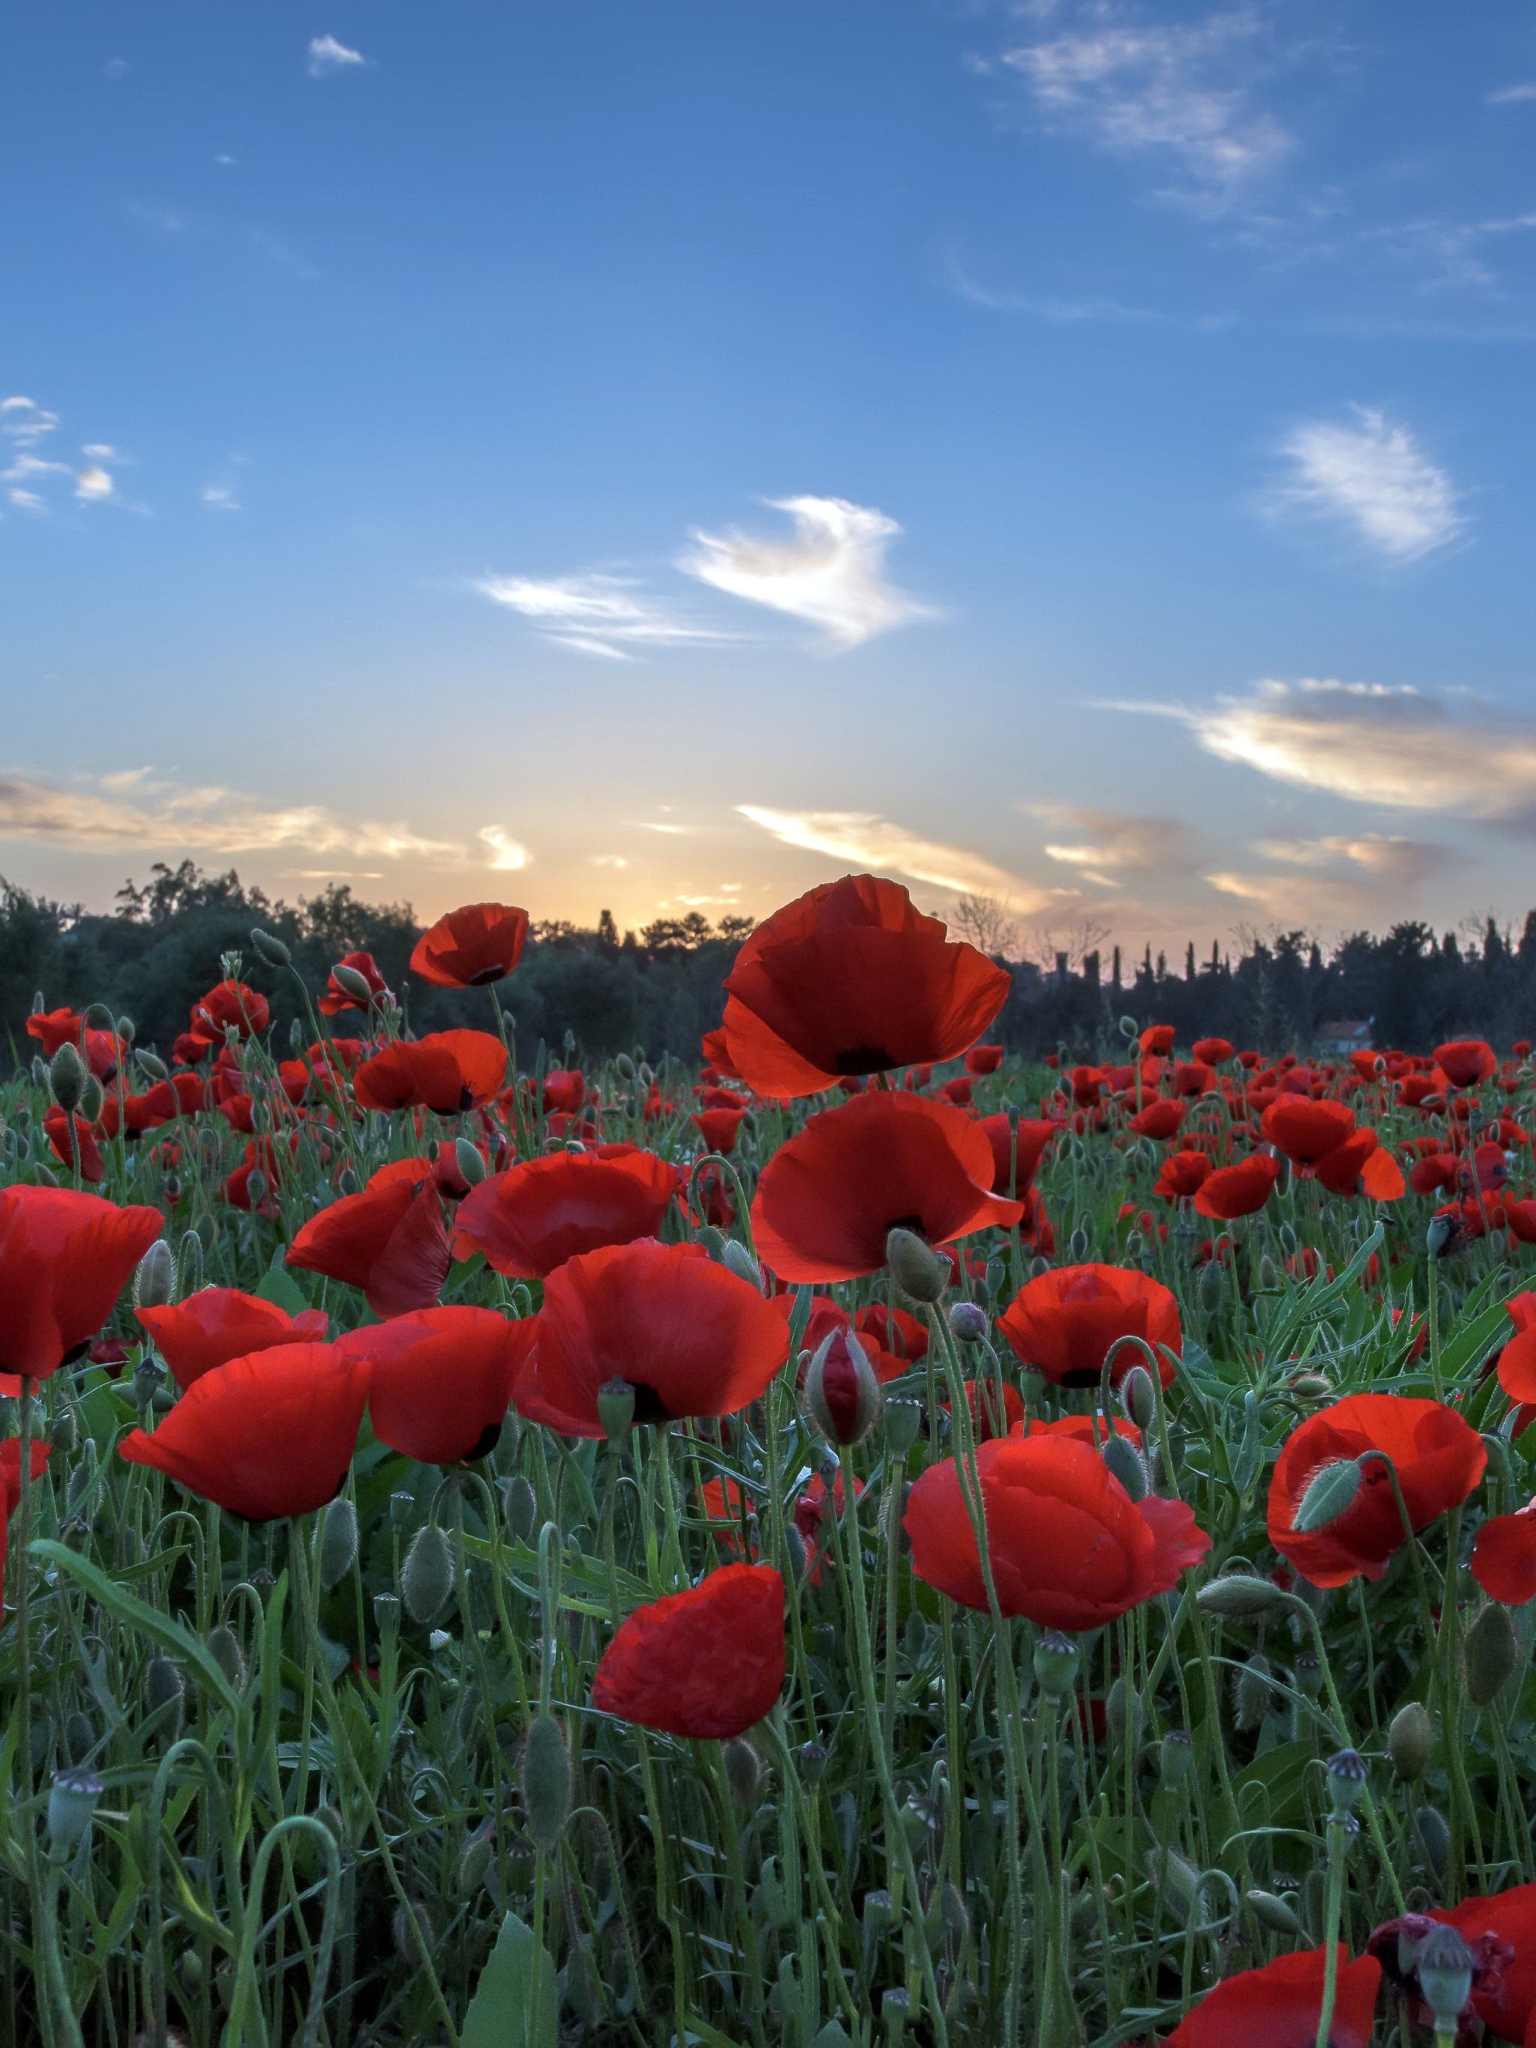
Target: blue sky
(661,456)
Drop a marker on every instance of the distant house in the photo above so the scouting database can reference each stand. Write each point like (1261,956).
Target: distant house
(1344,1035)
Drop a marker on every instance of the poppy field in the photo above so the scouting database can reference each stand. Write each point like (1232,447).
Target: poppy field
(849,1538)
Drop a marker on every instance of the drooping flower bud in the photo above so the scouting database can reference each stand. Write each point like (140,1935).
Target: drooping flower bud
(1273,1913)
(426,1577)
(519,1507)
(270,948)
(1330,1493)
(154,1279)
(1239,1596)
(351,983)
(67,1076)
(469,1161)
(1127,1465)
(1138,1397)
(736,1259)
(546,1781)
(743,1771)
(918,1270)
(842,1394)
(338,1543)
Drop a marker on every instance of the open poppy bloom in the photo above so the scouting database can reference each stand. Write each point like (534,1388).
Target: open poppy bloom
(1467,1062)
(718,1127)
(220,1323)
(1362,1165)
(1438,1457)
(1069,1547)
(1182,1175)
(388,1239)
(1240,1190)
(1212,1052)
(1517,1361)
(472,946)
(853,979)
(336,998)
(689,1336)
(1063,1323)
(440,1380)
(56,1124)
(1504,1557)
(708,1662)
(541,1212)
(1305,1130)
(265,1436)
(10,1486)
(1505,2001)
(828,1198)
(1160,1119)
(1279,2006)
(1016,1157)
(984,1059)
(65,1257)
(1080,1428)
(447,1071)
(53,1028)
(229,1010)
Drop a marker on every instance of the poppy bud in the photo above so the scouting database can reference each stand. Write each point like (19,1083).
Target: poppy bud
(256,1187)
(338,1543)
(1138,1397)
(1251,1693)
(224,1649)
(1330,1493)
(347,1182)
(154,1279)
(1268,1275)
(1175,1759)
(1434,1838)
(1411,1741)
(270,949)
(616,1409)
(743,1771)
(1135,1245)
(1124,1715)
(546,1781)
(426,1577)
(968,1324)
(842,1395)
(164,1688)
(79,1736)
(736,1259)
(624,1066)
(1273,1913)
(1182,1880)
(1239,1596)
(351,983)
(799,1556)
(67,1076)
(71,1803)
(1443,1963)
(189,1263)
(147,1377)
(519,1508)
(1492,1652)
(1055,1663)
(1038,1265)
(1079,1245)
(152,1064)
(903,1420)
(474,1862)
(712,1239)
(64,1433)
(916,1268)
(1346,1781)
(467,1158)
(412,1932)
(1212,1287)
(1129,1028)
(90,1099)
(1127,1465)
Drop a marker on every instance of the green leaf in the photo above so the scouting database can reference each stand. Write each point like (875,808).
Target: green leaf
(514,2005)
(278,1285)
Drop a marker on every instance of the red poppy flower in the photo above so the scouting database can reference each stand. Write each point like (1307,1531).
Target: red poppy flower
(1305,1130)
(1080,1428)
(86,1149)
(853,979)
(708,1662)
(1434,1172)
(688,1335)
(389,1239)
(470,947)
(53,1028)
(1016,1160)
(1520,1220)
(178,1095)
(1157,1039)
(1160,1119)
(336,998)
(992,1415)
(64,1259)
(447,1071)
(984,1059)
(1504,1557)
(1280,2005)
(220,1323)
(900,1340)
(828,1198)
(1439,1459)
(538,1214)
(565,1089)
(265,1436)
(229,1010)
(1362,1165)
(1240,1190)
(1466,1062)
(440,1380)
(1517,1361)
(1064,1322)
(1506,2002)
(1181,1176)
(1212,1052)
(1069,1547)
(718,1127)
(10,1485)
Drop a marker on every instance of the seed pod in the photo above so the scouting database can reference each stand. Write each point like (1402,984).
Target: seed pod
(401,1508)
(386,1612)
(1411,1741)
(67,1076)
(616,1409)
(811,1760)
(1346,1780)
(919,1271)
(1443,1964)
(154,1279)
(1274,1914)
(270,948)
(1251,1693)
(736,1259)
(426,1577)
(71,1803)
(338,1543)
(1330,1493)
(1492,1653)
(743,1771)
(546,1781)
(1127,1465)
(1055,1664)
(1239,1596)
(469,1160)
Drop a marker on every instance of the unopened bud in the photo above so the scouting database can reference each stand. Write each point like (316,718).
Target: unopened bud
(67,1076)
(968,1323)
(1138,1397)
(1411,1741)
(1434,1838)
(1124,1715)
(351,983)
(546,1781)
(1492,1653)
(624,1066)
(164,1688)
(919,1271)
(224,1649)
(1239,1596)
(338,1543)
(152,1064)
(90,1099)
(519,1508)
(616,1409)
(736,1259)
(1175,1760)
(1212,1287)
(1127,1465)
(1252,1693)
(1273,1913)
(842,1394)
(1330,1493)
(743,1771)
(270,948)
(469,1160)
(154,1279)
(426,1577)
(1129,1028)
(474,1862)
(1079,1245)
(256,1187)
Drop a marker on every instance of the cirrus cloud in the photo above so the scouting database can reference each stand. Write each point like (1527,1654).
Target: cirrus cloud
(866,840)
(1373,478)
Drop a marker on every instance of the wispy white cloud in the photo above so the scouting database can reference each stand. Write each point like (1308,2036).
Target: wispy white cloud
(1373,478)
(1182,93)
(1298,900)
(831,573)
(1117,842)
(1394,860)
(29,477)
(1096,310)
(610,616)
(133,810)
(327,57)
(1512,95)
(220,497)
(1373,743)
(865,840)
(508,856)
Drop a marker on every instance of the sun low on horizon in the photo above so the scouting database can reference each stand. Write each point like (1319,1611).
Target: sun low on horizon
(1074,454)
